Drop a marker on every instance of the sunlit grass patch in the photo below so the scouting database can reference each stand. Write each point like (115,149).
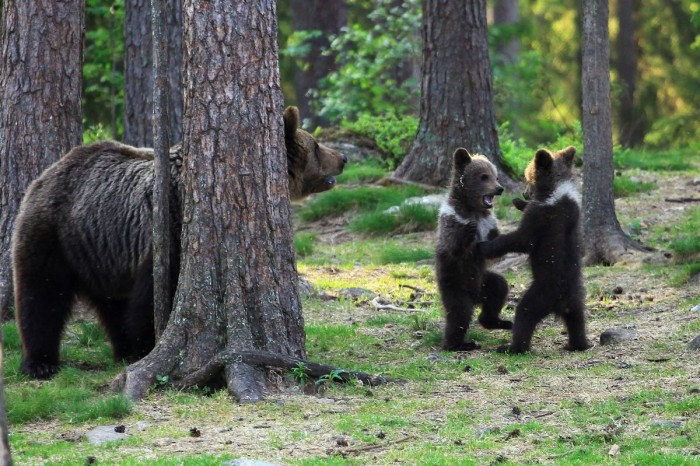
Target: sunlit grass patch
(304,243)
(408,218)
(393,254)
(364,198)
(361,173)
(624,187)
(668,160)
(687,234)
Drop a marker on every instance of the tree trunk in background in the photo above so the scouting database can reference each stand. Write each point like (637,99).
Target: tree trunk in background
(631,119)
(327,16)
(604,240)
(456,107)
(161,168)
(506,13)
(237,289)
(138,72)
(40,108)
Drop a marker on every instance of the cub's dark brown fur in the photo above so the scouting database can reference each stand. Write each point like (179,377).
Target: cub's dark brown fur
(463,281)
(84,231)
(550,233)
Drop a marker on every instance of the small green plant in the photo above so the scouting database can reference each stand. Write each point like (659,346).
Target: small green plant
(96,133)
(336,375)
(299,373)
(304,243)
(162,380)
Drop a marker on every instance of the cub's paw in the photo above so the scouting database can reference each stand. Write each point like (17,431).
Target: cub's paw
(464,346)
(509,349)
(496,324)
(583,346)
(520,204)
(39,370)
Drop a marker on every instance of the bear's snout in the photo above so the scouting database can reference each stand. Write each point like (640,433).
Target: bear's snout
(499,190)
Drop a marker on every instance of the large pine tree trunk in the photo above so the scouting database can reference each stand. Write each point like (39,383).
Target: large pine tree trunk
(40,108)
(604,239)
(327,16)
(456,107)
(238,281)
(138,72)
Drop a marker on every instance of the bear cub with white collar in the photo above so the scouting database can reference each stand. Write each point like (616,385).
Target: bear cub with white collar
(550,233)
(466,218)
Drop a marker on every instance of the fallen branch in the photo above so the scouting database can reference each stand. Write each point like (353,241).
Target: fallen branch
(379,305)
(391,180)
(265,358)
(682,199)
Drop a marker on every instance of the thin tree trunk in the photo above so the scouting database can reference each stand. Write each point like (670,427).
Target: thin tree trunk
(327,16)
(238,281)
(604,239)
(456,92)
(161,165)
(138,72)
(631,119)
(40,109)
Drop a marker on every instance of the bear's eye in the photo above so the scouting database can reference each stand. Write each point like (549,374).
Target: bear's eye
(484,177)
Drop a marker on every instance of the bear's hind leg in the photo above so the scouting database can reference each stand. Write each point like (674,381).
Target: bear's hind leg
(458,315)
(44,294)
(532,308)
(494,291)
(112,316)
(575,321)
(139,313)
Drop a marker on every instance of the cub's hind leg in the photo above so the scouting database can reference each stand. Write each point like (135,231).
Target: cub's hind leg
(494,291)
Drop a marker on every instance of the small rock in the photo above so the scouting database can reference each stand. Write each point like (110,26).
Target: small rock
(615,335)
(516,411)
(695,308)
(357,294)
(433,358)
(341,441)
(669,424)
(103,434)
(694,345)
(614,450)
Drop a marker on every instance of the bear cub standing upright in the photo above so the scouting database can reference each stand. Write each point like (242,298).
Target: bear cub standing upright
(462,278)
(550,233)
(84,231)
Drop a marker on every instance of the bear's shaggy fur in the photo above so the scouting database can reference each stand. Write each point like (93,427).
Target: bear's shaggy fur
(550,233)
(84,231)
(462,278)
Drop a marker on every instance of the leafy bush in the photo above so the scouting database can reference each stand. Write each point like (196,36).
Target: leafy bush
(392,134)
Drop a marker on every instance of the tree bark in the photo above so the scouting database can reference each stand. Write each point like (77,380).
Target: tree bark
(161,166)
(40,109)
(138,72)
(456,107)
(327,16)
(604,240)
(238,282)
(631,120)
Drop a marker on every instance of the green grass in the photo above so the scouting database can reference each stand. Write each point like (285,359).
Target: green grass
(409,218)
(662,160)
(365,198)
(624,187)
(394,254)
(686,239)
(361,173)
(304,243)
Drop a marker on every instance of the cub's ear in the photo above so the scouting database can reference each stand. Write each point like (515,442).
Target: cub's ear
(292,120)
(462,158)
(568,155)
(543,159)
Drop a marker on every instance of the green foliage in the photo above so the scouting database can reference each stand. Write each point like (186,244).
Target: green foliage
(392,134)
(653,160)
(687,239)
(103,68)
(370,57)
(304,243)
(335,375)
(361,173)
(96,133)
(299,373)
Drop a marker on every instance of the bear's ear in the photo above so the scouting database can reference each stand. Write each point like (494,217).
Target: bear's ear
(292,120)
(568,155)
(543,159)
(461,158)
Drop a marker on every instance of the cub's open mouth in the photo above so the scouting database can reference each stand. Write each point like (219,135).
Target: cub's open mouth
(488,201)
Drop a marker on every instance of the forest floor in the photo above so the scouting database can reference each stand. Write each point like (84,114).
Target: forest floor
(637,401)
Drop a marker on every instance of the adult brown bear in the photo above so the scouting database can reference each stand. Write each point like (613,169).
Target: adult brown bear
(84,231)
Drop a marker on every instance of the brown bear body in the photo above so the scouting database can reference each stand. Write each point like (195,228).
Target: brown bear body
(84,231)
(462,277)
(550,233)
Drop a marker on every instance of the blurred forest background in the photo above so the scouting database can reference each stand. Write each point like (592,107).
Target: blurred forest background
(370,85)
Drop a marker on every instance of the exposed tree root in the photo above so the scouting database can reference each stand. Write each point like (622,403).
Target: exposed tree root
(609,249)
(229,357)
